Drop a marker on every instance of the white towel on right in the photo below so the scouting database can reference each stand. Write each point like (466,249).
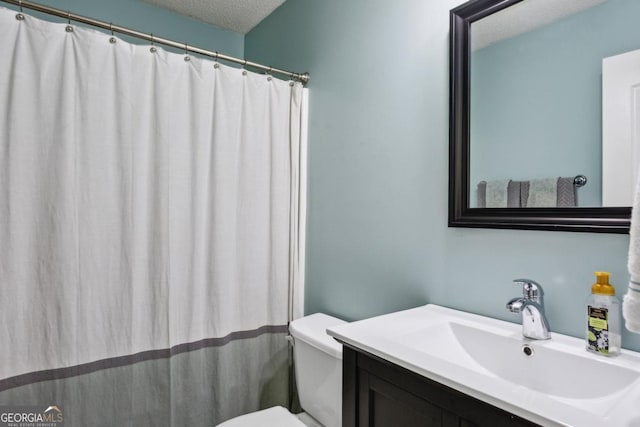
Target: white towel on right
(543,193)
(631,308)
(631,301)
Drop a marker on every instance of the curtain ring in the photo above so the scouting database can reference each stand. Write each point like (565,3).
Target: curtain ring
(216,65)
(69,28)
(152,49)
(112,39)
(187,58)
(20,16)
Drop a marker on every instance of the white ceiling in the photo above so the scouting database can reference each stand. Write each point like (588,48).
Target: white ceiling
(523,17)
(239,16)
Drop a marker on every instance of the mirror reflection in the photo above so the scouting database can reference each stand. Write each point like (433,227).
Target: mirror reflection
(554,115)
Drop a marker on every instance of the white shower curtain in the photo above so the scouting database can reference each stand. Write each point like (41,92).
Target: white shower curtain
(151,229)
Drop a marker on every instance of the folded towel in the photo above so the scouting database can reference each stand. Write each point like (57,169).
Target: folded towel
(513,194)
(497,193)
(518,193)
(567,197)
(543,193)
(524,193)
(631,301)
(482,194)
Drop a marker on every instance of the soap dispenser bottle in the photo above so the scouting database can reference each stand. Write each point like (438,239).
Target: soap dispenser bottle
(603,317)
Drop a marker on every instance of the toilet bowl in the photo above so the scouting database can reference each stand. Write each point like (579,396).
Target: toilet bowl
(272,417)
(318,366)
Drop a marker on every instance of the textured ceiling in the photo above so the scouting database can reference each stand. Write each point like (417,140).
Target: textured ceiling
(523,17)
(239,16)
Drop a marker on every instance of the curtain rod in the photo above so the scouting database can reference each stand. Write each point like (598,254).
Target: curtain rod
(302,77)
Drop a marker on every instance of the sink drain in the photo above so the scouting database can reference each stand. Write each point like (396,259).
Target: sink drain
(527,350)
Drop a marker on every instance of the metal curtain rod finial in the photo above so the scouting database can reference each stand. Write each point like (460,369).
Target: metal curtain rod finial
(580,180)
(302,77)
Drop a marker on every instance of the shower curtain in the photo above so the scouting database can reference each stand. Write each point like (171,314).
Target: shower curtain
(151,230)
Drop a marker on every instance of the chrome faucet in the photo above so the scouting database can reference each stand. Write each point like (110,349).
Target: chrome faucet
(531,304)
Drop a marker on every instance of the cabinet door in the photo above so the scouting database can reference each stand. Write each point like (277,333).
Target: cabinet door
(377,393)
(384,404)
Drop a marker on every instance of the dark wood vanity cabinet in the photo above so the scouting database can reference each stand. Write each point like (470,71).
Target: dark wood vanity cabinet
(378,393)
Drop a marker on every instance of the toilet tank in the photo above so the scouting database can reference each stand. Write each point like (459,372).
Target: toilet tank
(318,366)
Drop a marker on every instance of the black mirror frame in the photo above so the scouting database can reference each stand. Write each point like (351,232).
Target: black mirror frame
(588,219)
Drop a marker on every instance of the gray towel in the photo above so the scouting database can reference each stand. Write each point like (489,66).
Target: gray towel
(567,197)
(524,193)
(513,194)
(543,193)
(494,194)
(518,193)
(482,194)
(497,193)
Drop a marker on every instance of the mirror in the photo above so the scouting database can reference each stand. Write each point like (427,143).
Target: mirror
(535,140)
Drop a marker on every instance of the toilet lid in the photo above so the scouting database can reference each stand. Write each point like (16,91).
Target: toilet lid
(272,417)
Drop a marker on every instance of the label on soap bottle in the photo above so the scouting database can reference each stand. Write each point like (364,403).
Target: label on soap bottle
(598,332)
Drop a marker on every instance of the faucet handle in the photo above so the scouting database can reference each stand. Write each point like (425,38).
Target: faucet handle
(530,288)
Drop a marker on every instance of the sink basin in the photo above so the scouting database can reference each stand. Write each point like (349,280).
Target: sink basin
(525,362)
(551,382)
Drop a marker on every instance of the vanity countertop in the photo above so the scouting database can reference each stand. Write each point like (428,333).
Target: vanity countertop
(552,382)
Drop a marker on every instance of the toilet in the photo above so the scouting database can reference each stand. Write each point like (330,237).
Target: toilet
(318,365)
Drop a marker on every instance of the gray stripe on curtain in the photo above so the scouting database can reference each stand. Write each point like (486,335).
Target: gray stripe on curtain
(195,388)
(114,362)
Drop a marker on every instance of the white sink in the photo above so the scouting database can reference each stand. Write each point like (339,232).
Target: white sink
(553,382)
(505,355)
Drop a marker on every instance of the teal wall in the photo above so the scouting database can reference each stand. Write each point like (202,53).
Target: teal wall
(146,18)
(377,234)
(541,93)
(378,150)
